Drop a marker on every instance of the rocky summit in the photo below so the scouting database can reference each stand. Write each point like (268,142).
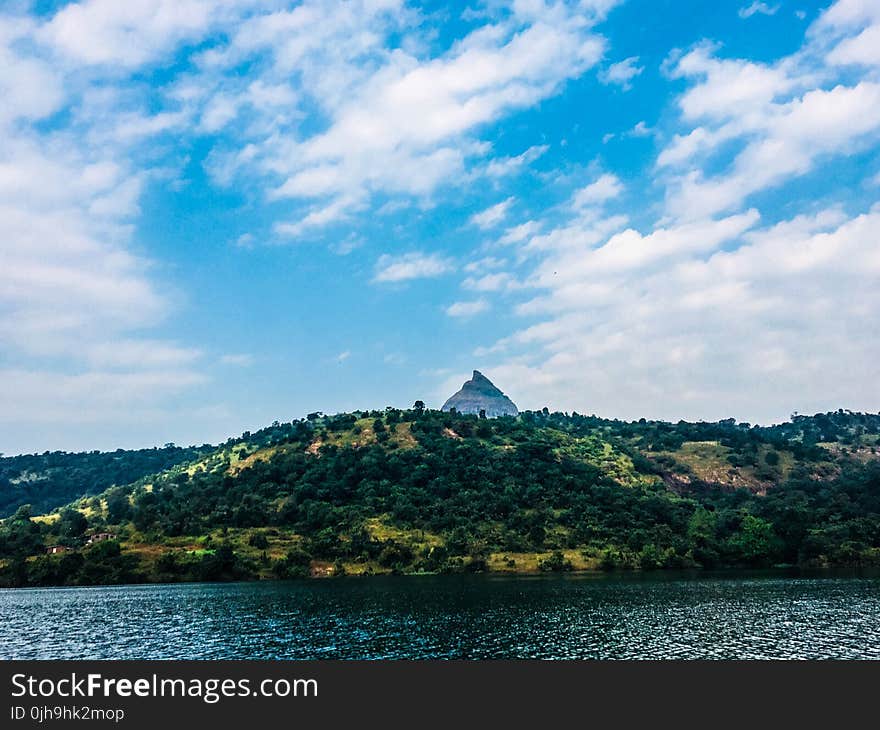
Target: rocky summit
(479,394)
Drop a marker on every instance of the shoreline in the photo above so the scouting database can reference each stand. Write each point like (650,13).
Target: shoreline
(666,574)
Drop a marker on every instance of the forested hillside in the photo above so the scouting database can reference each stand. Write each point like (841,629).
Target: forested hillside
(424,491)
(54,478)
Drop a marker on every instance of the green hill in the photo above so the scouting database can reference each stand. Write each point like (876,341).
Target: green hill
(54,478)
(426,491)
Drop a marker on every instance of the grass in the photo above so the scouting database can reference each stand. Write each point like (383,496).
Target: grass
(46,519)
(600,453)
(530,562)
(363,434)
(379,529)
(708,462)
(237,463)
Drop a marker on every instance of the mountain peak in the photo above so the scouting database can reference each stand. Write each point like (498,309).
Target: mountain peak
(480,394)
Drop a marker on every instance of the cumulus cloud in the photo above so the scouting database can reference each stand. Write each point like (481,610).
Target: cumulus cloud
(783,123)
(77,301)
(752,332)
(47,397)
(747,11)
(622,73)
(713,311)
(641,129)
(467,309)
(413,265)
(398,123)
(341,103)
(606,187)
(499,167)
(520,232)
(682,294)
(487,263)
(492,215)
(495,282)
(128,34)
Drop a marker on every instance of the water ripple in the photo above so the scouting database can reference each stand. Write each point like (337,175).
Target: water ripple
(451,617)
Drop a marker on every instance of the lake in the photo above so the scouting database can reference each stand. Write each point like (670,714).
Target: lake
(656,616)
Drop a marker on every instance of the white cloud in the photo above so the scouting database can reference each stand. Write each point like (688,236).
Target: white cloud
(340,102)
(728,87)
(31,89)
(622,72)
(68,279)
(861,50)
(400,124)
(708,331)
(779,119)
(128,354)
(486,263)
(78,304)
(589,229)
(491,216)
(218,112)
(640,130)
(787,142)
(630,251)
(52,397)
(127,34)
(604,188)
(520,232)
(707,314)
(747,11)
(467,309)
(502,166)
(496,282)
(331,116)
(847,15)
(413,265)
(319,216)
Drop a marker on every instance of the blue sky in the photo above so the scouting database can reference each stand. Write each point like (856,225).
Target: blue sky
(220,214)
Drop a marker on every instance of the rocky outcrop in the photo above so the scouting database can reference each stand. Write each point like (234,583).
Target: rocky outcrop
(479,394)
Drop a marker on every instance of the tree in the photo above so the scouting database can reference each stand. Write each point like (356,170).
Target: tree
(557,562)
(258,540)
(118,507)
(72,523)
(702,535)
(756,542)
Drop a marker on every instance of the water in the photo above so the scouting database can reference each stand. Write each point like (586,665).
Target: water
(471,617)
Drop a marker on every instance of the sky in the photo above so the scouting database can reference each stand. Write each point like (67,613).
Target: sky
(215,214)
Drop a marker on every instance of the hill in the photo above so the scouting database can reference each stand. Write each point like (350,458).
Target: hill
(54,478)
(426,491)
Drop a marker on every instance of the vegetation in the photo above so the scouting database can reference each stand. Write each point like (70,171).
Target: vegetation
(54,478)
(424,491)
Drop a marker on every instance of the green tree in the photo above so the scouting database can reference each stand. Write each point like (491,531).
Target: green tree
(756,542)
(702,537)
(71,524)
(555,563)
